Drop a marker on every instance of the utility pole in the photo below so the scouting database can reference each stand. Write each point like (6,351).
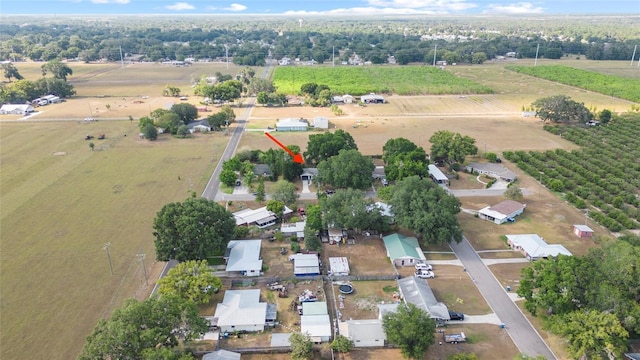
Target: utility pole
(106,248)
(435,52)
(634,54)
(144,270)
(333,57)
(226,52)
(536,61)
(121,58)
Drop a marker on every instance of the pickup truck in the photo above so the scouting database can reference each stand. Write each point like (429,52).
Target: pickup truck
(454,338)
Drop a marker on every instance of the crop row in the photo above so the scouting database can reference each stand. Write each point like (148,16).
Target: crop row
(360,80)
(604,175)
(622,88)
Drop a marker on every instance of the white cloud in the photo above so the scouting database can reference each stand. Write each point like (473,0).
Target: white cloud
(396,7)
(515,8)
(110,1)
(179,6)
(236,7)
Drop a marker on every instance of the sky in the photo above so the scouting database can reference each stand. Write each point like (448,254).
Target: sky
(320,7)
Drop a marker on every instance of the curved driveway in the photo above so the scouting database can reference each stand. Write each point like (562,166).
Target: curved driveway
(523,334)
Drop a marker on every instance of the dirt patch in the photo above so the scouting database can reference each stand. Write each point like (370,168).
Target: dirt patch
(363,302)
(367,256)
(508,274)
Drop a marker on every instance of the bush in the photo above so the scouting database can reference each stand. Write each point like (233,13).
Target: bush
(240,232)
(295,247)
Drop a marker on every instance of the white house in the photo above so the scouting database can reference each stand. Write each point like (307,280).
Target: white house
(348,99)
(315,321)
(16,109)
(366,333)
(296,229)
(260,217)
(338,266)
(292,125)
(241,310)
(243,256)
(437,175)
(494,170)
(308,174)
(305,264)
(418,292)
(533,247)
(502,211)
(403,250)
(320,122)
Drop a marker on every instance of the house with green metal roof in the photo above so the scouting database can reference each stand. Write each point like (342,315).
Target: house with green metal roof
(403,250)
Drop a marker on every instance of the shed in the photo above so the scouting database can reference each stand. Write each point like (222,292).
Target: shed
(437,175)
(16,109)
(314,308)
(372,99)
(317,327)
(306,264)
(366,333)
(241,310)
(403,250)
(292,125)
(221,355)
(244,256)
(348,99)
(296,229)
(533,247)
(338,266)
(320,122)
(582,231)
(502,211)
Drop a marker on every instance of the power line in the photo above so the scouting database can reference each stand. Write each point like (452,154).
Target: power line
(144,269)
(106,248)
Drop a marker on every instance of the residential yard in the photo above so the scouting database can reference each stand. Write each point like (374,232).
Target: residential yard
(508,274)
(367,256)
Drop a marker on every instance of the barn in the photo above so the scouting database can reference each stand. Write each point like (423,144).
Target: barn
(373,99)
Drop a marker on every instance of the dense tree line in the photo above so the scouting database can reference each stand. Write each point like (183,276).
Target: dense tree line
(251,42)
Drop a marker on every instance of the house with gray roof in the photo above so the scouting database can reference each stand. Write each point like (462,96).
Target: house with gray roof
(243,256)
(533,247)
(403,250)
(292,124)
(418,292)
(241,310)
(494,170)
(502,211)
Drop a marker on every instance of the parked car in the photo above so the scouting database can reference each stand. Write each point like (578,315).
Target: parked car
(511,220)
(384,182)
(425,274)
(454,315)
(424,266)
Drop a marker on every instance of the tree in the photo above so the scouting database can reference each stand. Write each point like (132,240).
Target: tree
(311,240)
(605,116)
(561,109)
(138,327)
(259,85)
(183,131)
(513,192)
(341,344)
(451,147)
(11,72)
(349,209)
(229,114)
(348,169)
(463,356)
(191,280)
(492,157)
(143,122)
(425,208)
(150,132)
(323,146)
(92,145)
(402,327)
(478,57)
(192,230)
(228,177)
(301,346)
(314,217)
(404,158)
(58,69)
(171,90)
(169,122)
(592,334)
(186,112)
(285,192)
(260,195)
(276,207)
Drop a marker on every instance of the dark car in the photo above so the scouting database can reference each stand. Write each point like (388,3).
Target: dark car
(454,315)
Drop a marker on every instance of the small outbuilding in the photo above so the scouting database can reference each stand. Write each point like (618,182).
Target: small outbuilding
(295,229)
(339,266)
(317,327)
(320,122)
(16,109)
(222,355)
(502,211)
(437,175)
(305,264)
(582,231)
(366,333)
(372,99)
(403,250)
(533,247)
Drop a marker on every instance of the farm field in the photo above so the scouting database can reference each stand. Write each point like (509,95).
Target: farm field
(58,211)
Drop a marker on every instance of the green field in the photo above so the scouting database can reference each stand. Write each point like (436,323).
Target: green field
(623,88)
(61,203)
(400,80)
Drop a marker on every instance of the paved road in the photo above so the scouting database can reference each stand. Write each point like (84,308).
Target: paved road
(523,334)
(211,190)
(483,192)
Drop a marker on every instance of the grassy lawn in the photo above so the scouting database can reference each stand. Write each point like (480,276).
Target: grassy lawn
(61,203)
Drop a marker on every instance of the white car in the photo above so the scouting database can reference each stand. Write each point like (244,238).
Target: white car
(425,274)
(89,119)
(424,266)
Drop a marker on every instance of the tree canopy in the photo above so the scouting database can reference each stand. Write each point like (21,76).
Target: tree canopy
(323,146)
(145,327)
(350,209)
(11,72)
(403,158)
(348,169)
(186,112)
(411,329)
(192,230)
(57,69)
(301,346)
(561,109)
(425,208)
(192,280)
(451,147)
(285,192)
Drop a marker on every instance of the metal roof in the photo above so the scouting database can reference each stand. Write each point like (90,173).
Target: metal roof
(418,292)
(244,255)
